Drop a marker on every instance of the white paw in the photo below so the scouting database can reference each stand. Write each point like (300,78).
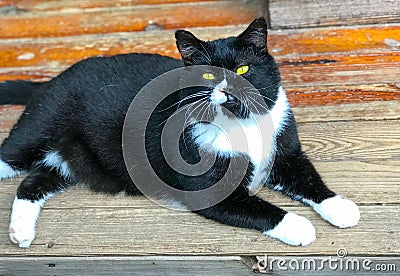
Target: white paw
(23,221)
(22,235)
(340,212)
(293,230)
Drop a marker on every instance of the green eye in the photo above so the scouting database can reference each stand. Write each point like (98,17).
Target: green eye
(242,70)
(208,76)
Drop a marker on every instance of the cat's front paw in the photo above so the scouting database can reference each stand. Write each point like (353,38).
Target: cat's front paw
(21,234)
(23,221)
(340,212)
(293,230)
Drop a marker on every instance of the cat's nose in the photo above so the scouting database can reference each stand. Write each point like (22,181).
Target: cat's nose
(218,96)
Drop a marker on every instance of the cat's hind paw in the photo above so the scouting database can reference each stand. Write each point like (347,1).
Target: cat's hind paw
(338,211)
(293,230)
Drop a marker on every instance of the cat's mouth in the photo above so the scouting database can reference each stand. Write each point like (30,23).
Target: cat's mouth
(224,98)
(230,100)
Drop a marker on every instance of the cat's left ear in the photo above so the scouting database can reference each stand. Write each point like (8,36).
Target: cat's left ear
(256,34)
(187,45)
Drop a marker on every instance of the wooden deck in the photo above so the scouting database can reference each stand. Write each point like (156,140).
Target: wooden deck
(343,82)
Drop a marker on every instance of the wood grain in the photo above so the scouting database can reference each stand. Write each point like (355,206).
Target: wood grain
(338,141)
(342,81)
(283,44)
(307,13)
(364,141)
(314,41)
(370,111)
(367,71)
(143,266)
(341,69)
(158,231)
(348,71)
(54,5)
(379,181)
(178,265)
(339,94)
(358,159)
(126,19)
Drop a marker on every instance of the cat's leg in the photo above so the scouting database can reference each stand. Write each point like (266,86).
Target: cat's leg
(32,193)
(8,168)
(242,210)
(296,177)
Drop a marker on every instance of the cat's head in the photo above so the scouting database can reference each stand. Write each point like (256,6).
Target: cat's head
(246,55)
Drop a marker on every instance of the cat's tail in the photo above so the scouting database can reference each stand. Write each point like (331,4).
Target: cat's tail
(17,92)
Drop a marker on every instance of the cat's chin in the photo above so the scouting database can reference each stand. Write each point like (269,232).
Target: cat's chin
(231,104)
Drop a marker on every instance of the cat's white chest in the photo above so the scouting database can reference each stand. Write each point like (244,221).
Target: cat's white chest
(232,137)
(253,137)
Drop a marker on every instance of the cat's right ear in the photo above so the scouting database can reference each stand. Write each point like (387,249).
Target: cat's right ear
(187,45)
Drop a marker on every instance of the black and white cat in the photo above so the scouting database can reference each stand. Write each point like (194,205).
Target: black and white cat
(71,131)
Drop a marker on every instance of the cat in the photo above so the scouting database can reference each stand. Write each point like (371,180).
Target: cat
(71,131)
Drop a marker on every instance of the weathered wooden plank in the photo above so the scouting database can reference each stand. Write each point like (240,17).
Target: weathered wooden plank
(347,140)
(196,265)
(127,19)
(12,6)
(347,83)
(370,111)
(40,73)
(380,182)
(158,231)
(324,265)
(72,222)
(341,94)
(364,140)
(341,69)
(32,52)
(374,111)
(146,266)
(306,13)
(333,40)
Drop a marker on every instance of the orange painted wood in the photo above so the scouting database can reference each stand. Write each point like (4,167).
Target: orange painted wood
(316,41)
(35,5)
(304,42)
(127,19)
(31,73)
(44,52)
(383,67)
(333,95)
(306,70)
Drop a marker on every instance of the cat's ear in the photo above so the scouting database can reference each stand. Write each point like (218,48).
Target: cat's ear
(187,44)
(256,34)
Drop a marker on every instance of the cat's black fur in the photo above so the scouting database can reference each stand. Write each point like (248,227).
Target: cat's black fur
(81,112)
